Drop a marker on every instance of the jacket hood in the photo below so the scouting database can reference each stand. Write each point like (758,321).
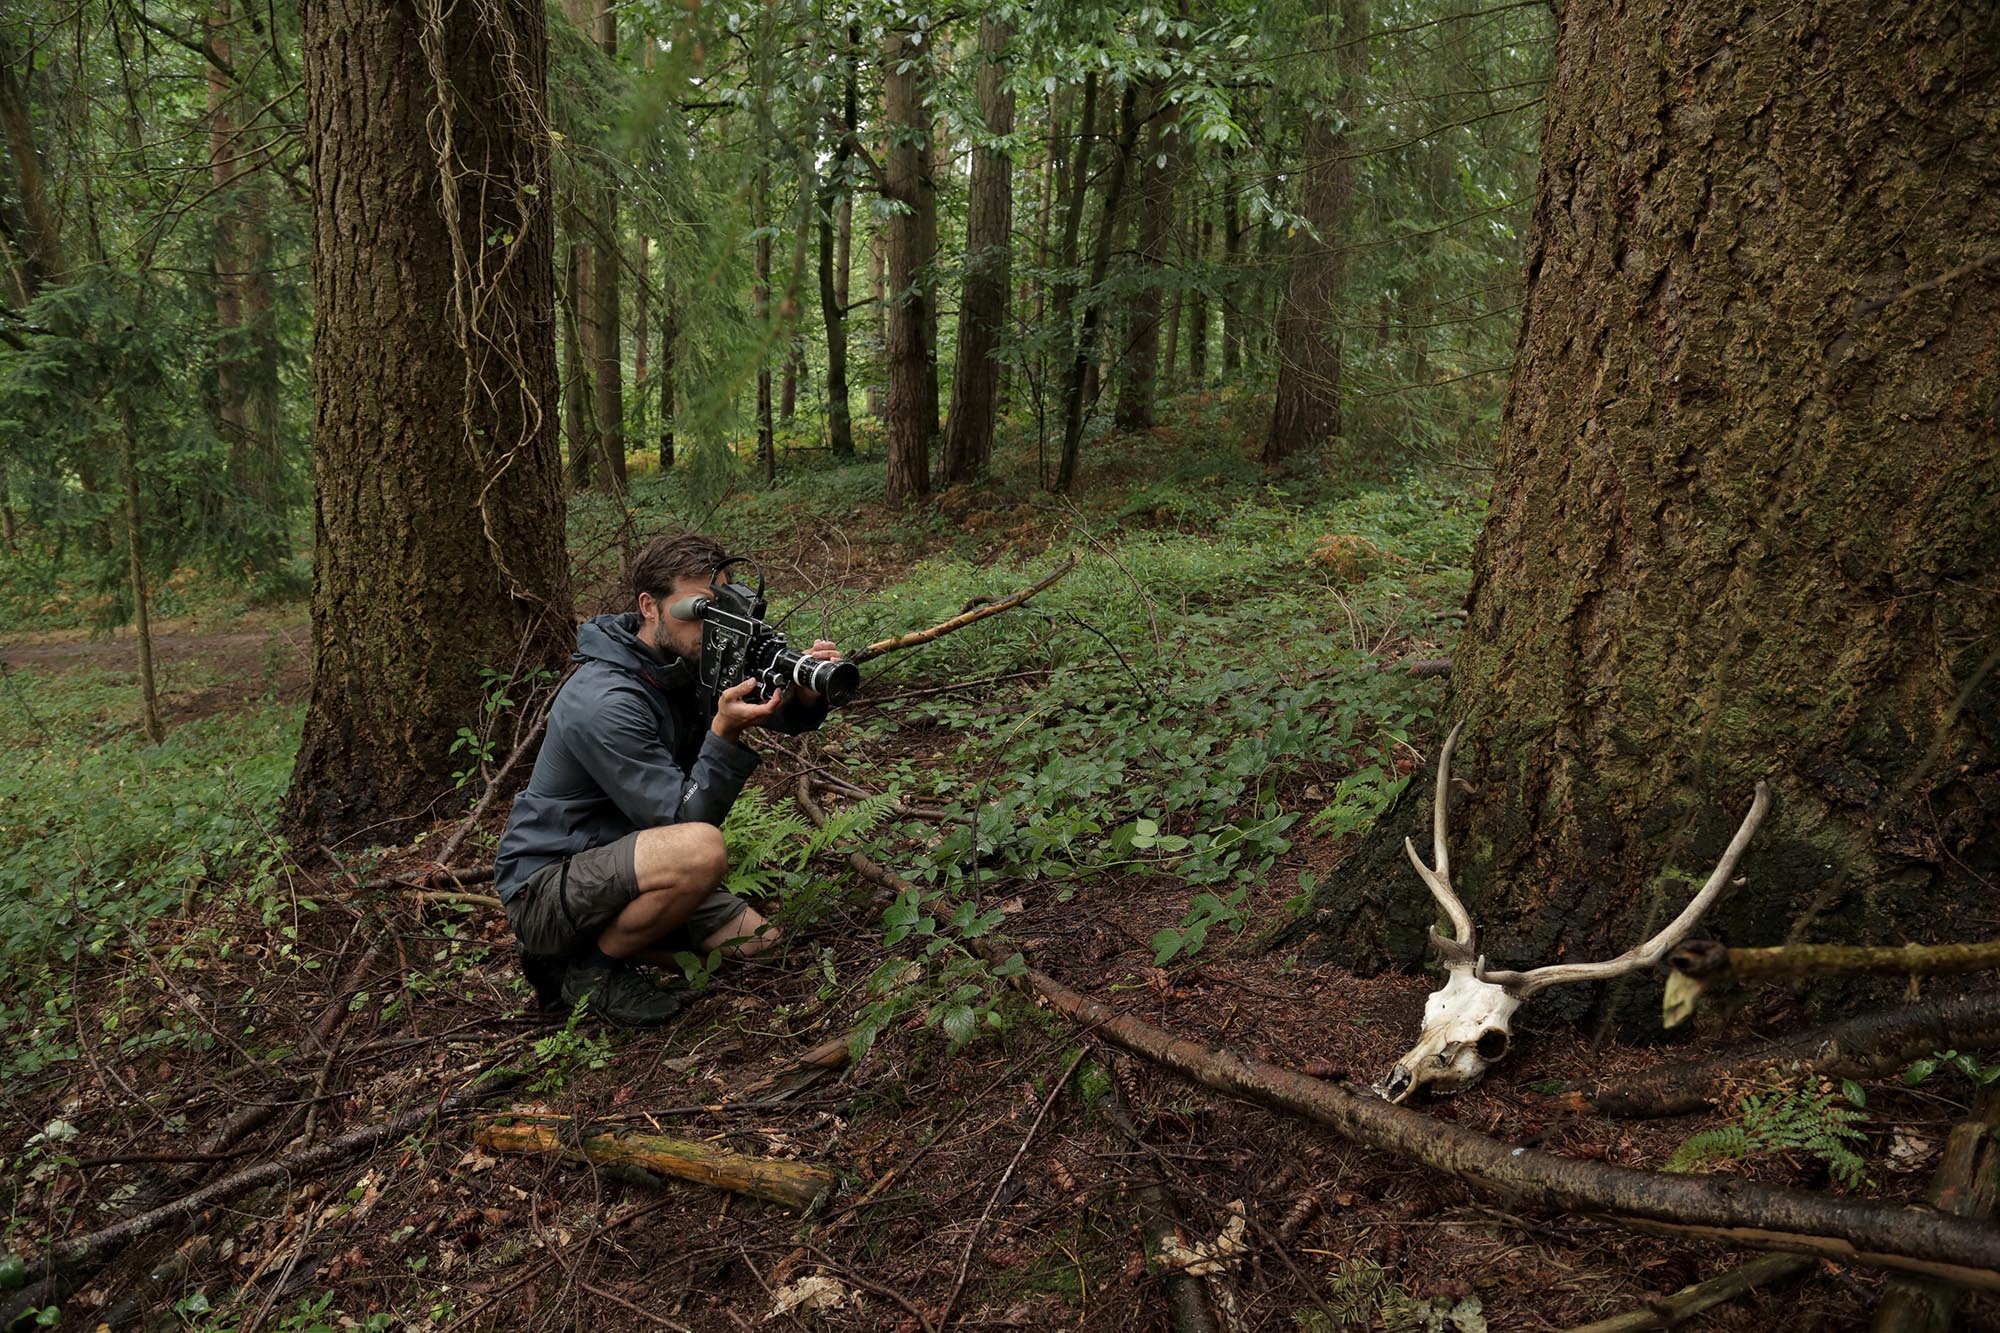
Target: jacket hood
(614,640)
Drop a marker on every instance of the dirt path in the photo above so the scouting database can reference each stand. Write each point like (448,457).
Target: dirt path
(203,668)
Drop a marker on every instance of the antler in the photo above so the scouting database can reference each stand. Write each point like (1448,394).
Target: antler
(1524,984)
(1463,947)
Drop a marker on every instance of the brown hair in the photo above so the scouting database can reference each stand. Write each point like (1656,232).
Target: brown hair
(667,560)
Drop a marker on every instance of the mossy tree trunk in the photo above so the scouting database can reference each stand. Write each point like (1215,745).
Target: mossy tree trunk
(438,514)
(1745,522)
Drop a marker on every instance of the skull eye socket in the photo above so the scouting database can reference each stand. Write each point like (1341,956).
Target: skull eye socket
(1492,1044)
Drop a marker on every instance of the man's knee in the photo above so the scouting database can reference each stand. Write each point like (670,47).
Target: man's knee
(691,858)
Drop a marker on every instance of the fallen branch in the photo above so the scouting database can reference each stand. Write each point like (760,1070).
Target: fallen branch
(1741,1213)
(1871,1046)
(1675,1310)
(303,1165)
(1701,964)
(1965,1185)
(493,788)
(1187,1301)
(796,1185)
(802,1073)
(1737,1212)
(436,879)
(972,1240)
(921,636)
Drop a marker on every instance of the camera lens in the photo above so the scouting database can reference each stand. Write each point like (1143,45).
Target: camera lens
(836,682)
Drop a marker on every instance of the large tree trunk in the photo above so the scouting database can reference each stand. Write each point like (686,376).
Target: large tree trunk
(982,302)
(438,512)
(1305,413)
(912,348)
(1746,511)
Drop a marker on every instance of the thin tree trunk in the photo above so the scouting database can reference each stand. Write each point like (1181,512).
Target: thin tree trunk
(1155,198)
(1203,244)
(835,248)
(760,311)
(982,304)
(576,394)
(1234,290)
(669,326)
(1074,169)
(912,349)
(149,693)
(1305,414)
(1088,339)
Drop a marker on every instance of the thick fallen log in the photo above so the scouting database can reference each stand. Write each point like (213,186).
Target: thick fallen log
(796,1185)
(1675,1310)
(1737,1212)
(1740,1213)
(1872,1046)
(1965,1184)
(916,637)
(1702,965)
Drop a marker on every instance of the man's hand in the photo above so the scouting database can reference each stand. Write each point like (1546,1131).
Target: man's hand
(735,714)
(824,650)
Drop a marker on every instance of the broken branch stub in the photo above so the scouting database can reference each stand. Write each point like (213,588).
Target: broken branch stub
(796,1185)
(1468,1022)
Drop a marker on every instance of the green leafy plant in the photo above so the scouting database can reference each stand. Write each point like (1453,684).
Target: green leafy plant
(1809,1117)
(1979,1074)
(1191,935)
(562,1055)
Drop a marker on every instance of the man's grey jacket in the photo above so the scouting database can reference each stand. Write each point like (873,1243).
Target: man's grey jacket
(628,748)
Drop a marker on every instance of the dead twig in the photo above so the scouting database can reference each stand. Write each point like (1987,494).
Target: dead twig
(965,1258)
(1689,1301)
(922,636)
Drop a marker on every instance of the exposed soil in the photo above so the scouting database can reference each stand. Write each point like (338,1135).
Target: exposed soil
(443,1235)
(202,669)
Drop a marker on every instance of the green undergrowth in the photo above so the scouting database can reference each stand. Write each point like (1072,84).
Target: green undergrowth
(102,834)
(1176,712)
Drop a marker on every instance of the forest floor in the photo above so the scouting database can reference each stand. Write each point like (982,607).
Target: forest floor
(982,1183)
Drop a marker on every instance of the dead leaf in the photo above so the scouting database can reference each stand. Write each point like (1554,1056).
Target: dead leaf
(813,1294)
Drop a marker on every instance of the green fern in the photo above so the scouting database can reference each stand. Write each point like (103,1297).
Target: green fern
(770,845)
(1808,1118)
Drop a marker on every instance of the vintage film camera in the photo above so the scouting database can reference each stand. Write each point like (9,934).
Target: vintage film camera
(737,645)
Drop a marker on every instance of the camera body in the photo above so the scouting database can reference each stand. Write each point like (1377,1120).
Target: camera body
(737,644)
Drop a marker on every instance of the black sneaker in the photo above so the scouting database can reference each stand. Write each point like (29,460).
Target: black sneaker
(545,972)
(621,995)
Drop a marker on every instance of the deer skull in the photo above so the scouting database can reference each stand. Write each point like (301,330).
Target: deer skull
(1466,1021)
(1465,1030)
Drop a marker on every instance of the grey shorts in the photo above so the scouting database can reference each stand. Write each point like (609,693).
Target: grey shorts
(564,905)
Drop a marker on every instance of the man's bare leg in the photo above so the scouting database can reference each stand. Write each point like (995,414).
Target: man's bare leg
(678,867)
(751,933)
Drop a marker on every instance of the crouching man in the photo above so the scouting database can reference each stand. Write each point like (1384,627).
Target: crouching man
(615,846)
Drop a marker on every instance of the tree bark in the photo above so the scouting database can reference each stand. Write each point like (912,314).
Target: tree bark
(1075,387)
(669,328)
(439,513)
(1233,293)
(796,1185)
(1743,517)
(1141,361)
(760,312)
(982,302)
(911,353)
(246,365)
(1305,413)
(836,249)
